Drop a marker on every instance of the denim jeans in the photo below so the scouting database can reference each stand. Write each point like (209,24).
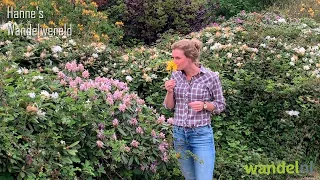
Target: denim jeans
(197,151)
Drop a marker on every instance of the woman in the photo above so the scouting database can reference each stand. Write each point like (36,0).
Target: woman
(194,93)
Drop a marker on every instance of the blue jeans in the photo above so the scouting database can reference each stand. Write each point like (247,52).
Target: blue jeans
(197,151)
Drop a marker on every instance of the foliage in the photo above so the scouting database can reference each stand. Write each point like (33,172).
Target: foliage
(81,15)
(91,127)
(269,67)
(145,20)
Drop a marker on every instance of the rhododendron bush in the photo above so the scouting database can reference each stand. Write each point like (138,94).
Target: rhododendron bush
(59,123)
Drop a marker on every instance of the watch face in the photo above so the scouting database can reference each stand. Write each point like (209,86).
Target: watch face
(205,106)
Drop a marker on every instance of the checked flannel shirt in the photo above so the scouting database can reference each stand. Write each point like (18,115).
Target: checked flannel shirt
(205,86)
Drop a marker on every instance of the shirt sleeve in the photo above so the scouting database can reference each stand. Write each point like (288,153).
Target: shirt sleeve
(165,106)
(216,92)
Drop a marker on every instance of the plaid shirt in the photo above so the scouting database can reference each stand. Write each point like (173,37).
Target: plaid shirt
(205,86)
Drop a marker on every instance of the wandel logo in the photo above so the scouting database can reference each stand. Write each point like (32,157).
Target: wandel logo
(281,168)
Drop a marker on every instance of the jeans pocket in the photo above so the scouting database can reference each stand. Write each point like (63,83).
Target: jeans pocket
(204,131)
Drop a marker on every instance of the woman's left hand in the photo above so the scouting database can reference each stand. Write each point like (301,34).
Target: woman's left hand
(196,105)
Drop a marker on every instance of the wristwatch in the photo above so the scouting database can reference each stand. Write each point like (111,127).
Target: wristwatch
(205,105)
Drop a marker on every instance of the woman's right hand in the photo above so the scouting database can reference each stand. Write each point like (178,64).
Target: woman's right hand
(169,85)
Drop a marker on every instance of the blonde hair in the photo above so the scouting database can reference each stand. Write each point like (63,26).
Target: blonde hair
(191,49)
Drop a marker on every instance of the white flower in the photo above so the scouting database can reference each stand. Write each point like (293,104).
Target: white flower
(6,26)
(95,55)
(72,42)
(281,20)
(45,94)
(263,45)
(19,70)
(55,95)
(40,113)
(205,48)
(36,78)
(229,55)
(62,142)
(293,113)
(55,69)
(310,61)
(129,78)
(210,41)
(291,63)
(306,67)
(28,54)
(32,95)
(153,76)
(56,49)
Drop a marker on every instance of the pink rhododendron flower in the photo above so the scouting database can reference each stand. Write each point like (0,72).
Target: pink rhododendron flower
(100,135)
(99,144)
(61,75)
(85,74)
(144,167)
(153,133)
(63,82)
(114,136)
(153,168)
(127,149)
(161,119)
(115,122)
(139,130)
(161,135)
(165,157)
(133,121)
(170,121)
(80,67)
(135,143)
(122,107)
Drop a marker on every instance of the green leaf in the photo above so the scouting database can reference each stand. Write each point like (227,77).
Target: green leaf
(130,161)
(121,131)
(73,144)
(72,151)
(124,159)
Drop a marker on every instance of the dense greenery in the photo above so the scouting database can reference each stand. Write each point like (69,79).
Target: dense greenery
(269,66)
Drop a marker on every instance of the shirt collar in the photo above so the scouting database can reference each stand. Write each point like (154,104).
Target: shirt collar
(202,70)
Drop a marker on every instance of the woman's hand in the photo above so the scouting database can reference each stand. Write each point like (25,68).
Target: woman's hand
(196,105)
(169,85)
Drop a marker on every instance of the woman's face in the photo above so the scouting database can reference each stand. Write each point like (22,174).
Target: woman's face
(180,59)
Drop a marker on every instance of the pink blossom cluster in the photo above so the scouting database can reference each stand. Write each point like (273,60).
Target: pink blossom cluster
(163,147)
(139,130)
(74,67)
(170,121)
(134,143)
(133,121)
(161,119)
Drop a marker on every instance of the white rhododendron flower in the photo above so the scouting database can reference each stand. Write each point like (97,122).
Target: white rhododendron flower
(45,94)
(55,95)
(129,78)
(32,95)
(306,67)
(95,55)
(40,113)
(293,113)
(56,49)
(55,69)
(36,78)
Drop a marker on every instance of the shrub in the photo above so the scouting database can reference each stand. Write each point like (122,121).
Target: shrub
(62,124)
(85,21)
(145,20)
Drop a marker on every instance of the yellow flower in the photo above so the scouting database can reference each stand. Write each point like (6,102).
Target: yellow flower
(52,23)
(302,9)
(34,3)
(120,23)
(7,3)
(94,4)
(80,26)
(171,66)
(44,26)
